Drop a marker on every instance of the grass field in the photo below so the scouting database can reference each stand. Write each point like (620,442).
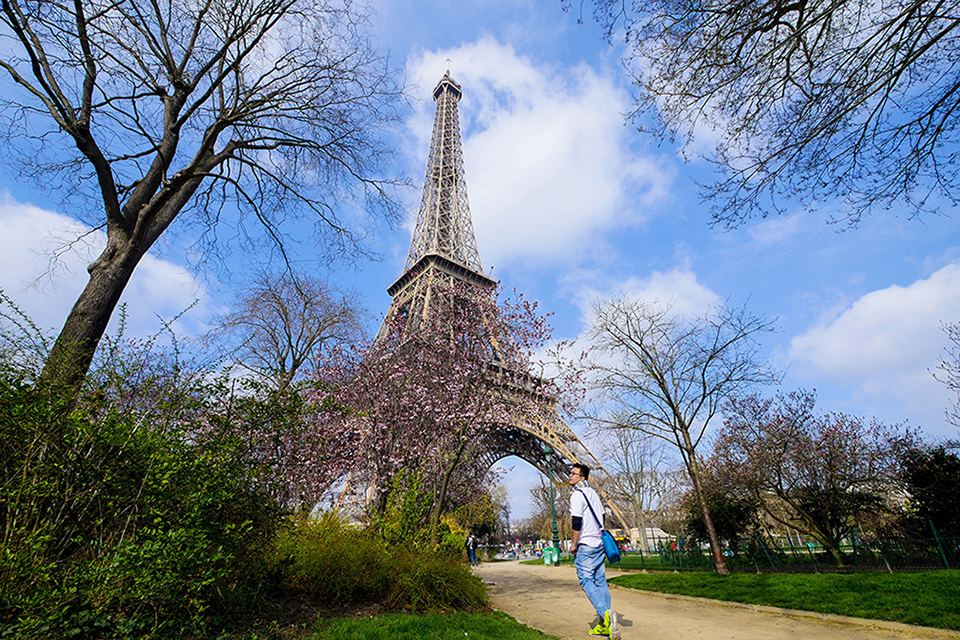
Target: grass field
(457,626)
(928,598)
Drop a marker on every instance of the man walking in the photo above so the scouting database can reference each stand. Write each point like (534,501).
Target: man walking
(472,550)
(587,547)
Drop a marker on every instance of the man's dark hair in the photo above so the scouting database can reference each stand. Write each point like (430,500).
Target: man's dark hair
(583,469)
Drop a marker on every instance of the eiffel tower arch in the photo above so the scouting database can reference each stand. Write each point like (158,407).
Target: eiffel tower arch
(443,253)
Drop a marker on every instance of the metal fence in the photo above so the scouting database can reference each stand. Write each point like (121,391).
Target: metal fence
(773,554)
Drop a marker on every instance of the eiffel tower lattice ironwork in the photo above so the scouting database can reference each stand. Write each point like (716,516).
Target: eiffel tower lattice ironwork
(443,252)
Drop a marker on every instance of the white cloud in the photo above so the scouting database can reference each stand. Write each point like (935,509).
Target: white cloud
(43,269)
(677,289)
(884,345)
(776,230)
(546,152)
(42,285)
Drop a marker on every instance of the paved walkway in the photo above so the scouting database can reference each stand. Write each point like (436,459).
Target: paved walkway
(550,599)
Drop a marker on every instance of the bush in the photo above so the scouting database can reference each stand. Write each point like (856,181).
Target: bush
(341,566)
(332,562)
(403,519)
(114,528)
(434,582)
(145,507)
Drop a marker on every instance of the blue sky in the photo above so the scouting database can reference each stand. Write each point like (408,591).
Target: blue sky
(571,203)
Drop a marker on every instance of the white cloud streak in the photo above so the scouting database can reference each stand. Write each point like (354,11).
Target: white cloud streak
(677,289)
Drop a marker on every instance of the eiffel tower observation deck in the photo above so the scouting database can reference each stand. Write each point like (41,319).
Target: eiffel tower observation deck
(443,252)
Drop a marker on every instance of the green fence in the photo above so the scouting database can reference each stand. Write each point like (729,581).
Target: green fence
(771,554)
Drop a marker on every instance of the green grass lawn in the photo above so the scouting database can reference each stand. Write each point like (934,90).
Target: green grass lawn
(456,626)
(929,598)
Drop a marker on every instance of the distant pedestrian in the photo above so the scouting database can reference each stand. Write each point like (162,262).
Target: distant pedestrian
(472,544)
(587,548)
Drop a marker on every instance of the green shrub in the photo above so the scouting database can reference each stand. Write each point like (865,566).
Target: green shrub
(341,565)
(434,582)
(403,519)
(164,574)
(333,562)
(114,528)
(451,542)
(143,508)
(26,572)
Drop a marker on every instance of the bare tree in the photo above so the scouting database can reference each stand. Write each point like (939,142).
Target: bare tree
(542,512)
(667,376)
(640,464)
(849,99)
(283,320)
(212,111)
(948,371)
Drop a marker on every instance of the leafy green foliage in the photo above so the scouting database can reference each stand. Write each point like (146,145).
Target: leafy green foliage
(332,562)
(403,519)
(151,504)
(438,581)
(933,483)
(342,565)
(116,528)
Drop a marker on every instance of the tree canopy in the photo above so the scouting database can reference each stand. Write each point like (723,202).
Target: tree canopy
(817,100)
(283,320)
(932,478)
(225,113)
(815,473)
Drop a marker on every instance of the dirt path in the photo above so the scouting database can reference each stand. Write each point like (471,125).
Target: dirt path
(550,599)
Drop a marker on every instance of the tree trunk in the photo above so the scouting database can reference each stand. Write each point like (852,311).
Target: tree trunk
(642,520)
(72,354)
(837,558)
(442,491)
(830,545)
(719,563)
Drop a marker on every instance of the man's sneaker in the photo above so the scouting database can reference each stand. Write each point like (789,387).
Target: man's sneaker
(601,629)
(614,626)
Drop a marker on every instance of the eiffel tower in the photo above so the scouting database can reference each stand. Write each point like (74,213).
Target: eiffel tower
(443,252)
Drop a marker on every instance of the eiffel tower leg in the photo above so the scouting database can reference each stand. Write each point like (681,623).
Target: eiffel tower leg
(531,443)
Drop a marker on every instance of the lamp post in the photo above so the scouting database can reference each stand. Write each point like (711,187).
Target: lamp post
(553,509)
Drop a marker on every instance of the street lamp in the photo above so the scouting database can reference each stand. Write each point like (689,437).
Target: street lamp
(553,509)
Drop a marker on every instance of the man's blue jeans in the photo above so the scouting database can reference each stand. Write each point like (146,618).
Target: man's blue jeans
(591,570)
